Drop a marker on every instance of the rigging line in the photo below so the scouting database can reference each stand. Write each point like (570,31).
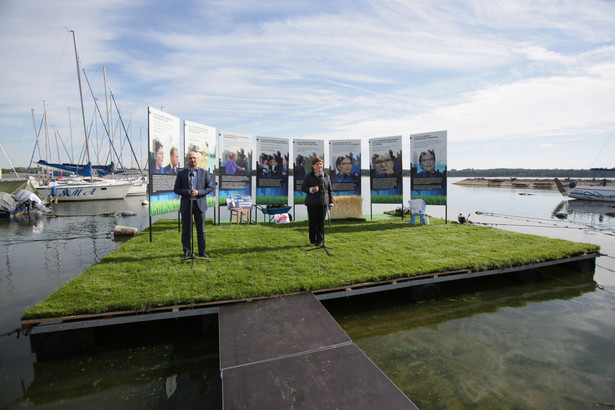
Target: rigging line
(107,131)
(602,148)
(125,131)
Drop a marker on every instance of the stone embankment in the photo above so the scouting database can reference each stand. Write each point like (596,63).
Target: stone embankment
(527,183)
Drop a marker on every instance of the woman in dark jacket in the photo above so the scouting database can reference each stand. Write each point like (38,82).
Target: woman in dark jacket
(317,186)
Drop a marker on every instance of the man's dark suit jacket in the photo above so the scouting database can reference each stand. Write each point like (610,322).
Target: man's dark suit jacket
(203,185)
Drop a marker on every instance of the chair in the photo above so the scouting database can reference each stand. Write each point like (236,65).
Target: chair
(417,208)
(239,205)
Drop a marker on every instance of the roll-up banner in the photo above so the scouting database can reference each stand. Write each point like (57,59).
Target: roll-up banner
(345,167)
(304,151)
(428,169)
(386,170)
(164,142)
(202,140)
(235,159)
(272,155)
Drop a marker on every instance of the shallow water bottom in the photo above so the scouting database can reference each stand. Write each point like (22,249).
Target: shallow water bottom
(493,343)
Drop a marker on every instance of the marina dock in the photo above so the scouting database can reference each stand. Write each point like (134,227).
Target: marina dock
(289,352)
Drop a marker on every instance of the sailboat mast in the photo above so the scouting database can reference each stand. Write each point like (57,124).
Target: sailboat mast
(85,126)
(36,133)
(70,128)
(108,114)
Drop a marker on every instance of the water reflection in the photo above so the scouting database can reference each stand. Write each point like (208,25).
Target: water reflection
(591,214)
(170,364)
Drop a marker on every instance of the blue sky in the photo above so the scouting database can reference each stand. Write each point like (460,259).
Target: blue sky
(521,84)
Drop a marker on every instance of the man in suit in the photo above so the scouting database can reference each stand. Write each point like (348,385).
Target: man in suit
(192,185)
(317,186)
(172,168)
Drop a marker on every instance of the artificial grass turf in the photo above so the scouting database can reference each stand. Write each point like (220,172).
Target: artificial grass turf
(250,261)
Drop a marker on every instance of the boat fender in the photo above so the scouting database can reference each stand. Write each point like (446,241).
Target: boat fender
(572,184)
(128,213)
(124,231)
(54,191)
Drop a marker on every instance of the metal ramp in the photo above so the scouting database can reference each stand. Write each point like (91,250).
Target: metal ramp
(289,352)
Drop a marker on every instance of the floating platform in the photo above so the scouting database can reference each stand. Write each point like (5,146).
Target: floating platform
(421,287)
(289,352)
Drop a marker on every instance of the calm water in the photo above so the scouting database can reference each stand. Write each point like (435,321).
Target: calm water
(491,343)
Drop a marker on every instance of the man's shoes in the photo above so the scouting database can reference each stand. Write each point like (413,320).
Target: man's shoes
(204,255)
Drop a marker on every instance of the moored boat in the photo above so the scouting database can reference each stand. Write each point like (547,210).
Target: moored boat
(80,189)
(603,192)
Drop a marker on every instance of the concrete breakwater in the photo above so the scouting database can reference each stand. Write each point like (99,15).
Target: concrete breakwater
(527,183)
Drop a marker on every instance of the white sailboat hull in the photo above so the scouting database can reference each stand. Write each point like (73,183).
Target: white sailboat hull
(139,187)
(593,193)
(84,190)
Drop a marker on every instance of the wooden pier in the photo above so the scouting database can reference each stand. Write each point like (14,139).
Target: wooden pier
(289,352)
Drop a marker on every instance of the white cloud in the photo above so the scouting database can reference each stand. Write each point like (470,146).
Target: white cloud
(485,71)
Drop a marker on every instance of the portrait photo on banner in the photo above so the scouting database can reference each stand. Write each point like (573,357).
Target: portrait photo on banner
(429,166)
(386,169)
(202,140)
(345,166)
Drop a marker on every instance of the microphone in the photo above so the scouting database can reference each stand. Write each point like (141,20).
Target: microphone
(191,180)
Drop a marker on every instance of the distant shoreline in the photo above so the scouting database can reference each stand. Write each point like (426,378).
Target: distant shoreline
(528,183)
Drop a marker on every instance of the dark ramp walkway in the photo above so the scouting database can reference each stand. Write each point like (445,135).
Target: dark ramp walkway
(289,352)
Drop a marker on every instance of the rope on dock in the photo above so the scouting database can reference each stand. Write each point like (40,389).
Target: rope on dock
(76,216)
(543,221)
(64,238)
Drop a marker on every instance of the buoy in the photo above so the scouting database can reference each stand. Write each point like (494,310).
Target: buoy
(128,213)
(124,231)
(145,202)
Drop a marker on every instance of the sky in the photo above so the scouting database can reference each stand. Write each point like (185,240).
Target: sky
(516,84)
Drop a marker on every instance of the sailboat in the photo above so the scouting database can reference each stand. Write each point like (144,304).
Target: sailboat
(81,185)
(601,192)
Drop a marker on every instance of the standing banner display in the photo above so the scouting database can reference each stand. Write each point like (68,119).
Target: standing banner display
(428,169)
(235,159)
(272,171)
(304,151)
(345,167)
(386,170)
(164,141)
(202,140)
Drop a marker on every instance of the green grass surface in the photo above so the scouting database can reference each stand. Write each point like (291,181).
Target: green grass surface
(251,261)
